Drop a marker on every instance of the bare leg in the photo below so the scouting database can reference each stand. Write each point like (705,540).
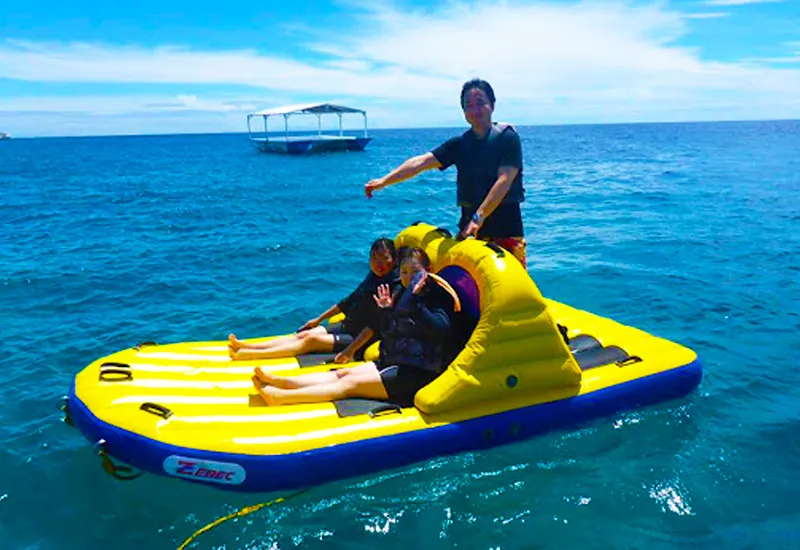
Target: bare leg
(299,381)
(361,381)
(236,344)
(291,346)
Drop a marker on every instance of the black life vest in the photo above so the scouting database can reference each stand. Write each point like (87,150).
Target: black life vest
(405,340)
(479,165)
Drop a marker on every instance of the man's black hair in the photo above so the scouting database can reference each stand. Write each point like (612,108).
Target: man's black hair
(481,85)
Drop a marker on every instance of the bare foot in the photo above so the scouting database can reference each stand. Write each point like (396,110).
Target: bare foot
(263,377)
(270,394)
(283,382)
(233,352)
(234,343)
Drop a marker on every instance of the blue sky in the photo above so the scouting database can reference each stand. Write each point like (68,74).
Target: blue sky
(102,67)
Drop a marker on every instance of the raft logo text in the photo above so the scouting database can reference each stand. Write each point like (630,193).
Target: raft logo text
(228,473)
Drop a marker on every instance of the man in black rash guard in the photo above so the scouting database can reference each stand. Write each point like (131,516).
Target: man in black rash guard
(488,159)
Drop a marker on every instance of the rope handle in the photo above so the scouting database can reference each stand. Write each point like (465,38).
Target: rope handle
(117,471)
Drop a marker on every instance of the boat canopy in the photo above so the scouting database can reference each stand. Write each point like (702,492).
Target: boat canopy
(308,109)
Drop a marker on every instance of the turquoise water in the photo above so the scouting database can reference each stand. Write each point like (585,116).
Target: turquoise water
(688,231)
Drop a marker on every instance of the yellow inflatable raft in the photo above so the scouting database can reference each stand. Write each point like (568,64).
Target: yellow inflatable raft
(188,411)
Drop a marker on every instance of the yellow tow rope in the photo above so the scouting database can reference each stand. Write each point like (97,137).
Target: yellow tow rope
(240,513)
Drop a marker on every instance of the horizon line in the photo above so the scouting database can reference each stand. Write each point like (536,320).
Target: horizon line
(459,128)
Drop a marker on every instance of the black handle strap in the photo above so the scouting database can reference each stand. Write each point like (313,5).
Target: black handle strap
(500,252)
(445,232)
(115,372)
(377,411)
(629,361)
(112,364)
(139,346)
(156,409)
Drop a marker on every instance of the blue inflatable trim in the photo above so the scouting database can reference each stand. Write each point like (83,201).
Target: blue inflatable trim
(253,473)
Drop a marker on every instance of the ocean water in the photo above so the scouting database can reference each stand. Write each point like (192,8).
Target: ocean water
(688,231)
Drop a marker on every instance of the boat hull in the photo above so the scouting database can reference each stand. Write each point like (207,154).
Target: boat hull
(296,146)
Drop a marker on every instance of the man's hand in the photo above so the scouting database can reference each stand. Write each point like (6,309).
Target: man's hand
(374,185)
(470,230)
(309,325)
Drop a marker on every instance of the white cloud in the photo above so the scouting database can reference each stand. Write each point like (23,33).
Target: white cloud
(191,102)
(82,62)
(77,123)
(107,105)
(793,57)
(777,60)
(549,62)
(739,2)
(706,15)
(85,115)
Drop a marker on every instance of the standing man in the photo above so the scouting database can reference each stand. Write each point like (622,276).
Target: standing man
(488,159)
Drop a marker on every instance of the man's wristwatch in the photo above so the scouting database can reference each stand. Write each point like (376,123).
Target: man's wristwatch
(477,218)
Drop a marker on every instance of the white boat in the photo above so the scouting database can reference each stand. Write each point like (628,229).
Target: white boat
(296,144)
(3,135)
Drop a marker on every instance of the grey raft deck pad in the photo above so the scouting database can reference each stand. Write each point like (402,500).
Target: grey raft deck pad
(587,350)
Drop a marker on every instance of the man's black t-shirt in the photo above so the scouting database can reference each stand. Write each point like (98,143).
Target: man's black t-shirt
(478,161)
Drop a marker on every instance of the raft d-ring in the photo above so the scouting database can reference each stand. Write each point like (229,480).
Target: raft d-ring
(63,406)
(99,447)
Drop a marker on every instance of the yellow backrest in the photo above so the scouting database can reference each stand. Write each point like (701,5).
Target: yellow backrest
(516,345)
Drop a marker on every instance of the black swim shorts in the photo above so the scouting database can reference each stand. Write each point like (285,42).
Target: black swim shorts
(403,382)
(341,338)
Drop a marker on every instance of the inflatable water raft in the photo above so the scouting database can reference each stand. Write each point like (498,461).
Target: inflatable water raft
(188,411)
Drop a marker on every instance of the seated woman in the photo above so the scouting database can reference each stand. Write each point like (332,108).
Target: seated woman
(351,334)
(414,329)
